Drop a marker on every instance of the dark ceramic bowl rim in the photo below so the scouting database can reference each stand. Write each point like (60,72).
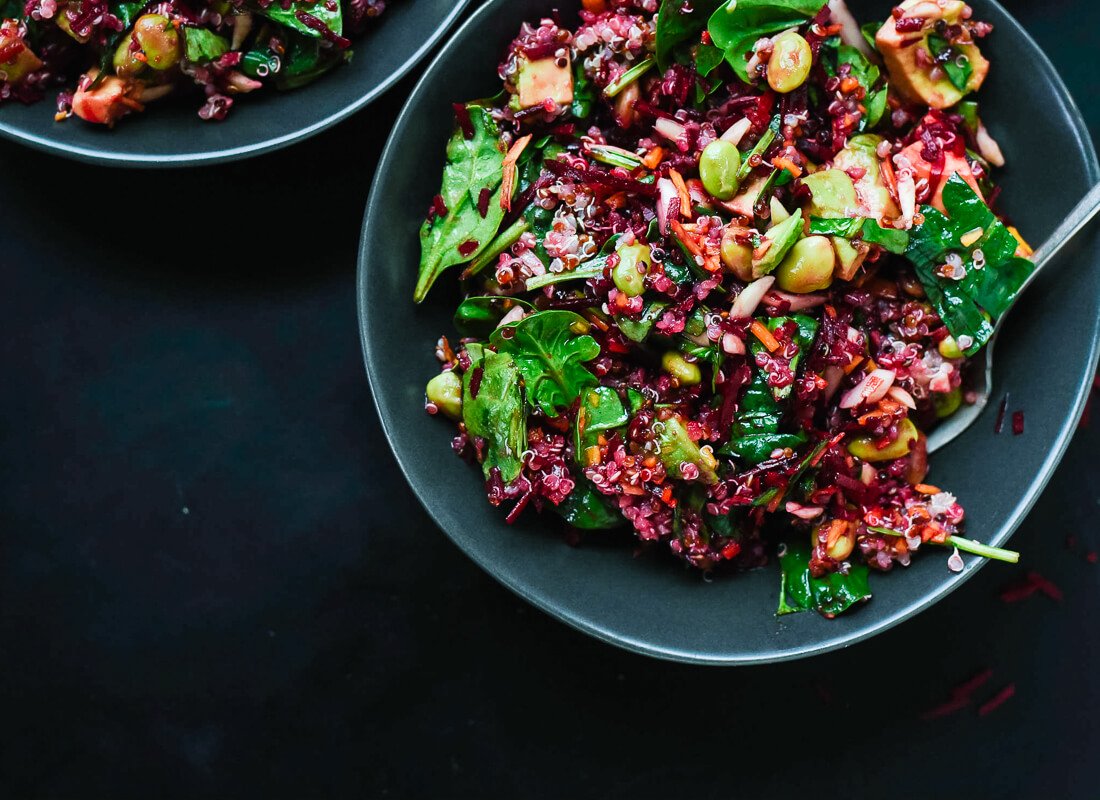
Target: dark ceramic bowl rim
(376,208)
(92,155)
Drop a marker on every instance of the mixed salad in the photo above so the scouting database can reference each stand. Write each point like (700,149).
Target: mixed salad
(110,58)
(724,263)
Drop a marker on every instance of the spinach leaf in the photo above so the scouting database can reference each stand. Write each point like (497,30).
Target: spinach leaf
(829,595)
(868,230)
(201,45)
(678,448)
(587,509)
(600,410)
(957,66)
(636,330)
(474,164)
(870,31)
(330,14)
(126,11)
(479,316)
(584,93)
(13,9)
(550,354)
(804,338)
(681,22)
(990,289)
(736,30)
(496,413)
(305,60)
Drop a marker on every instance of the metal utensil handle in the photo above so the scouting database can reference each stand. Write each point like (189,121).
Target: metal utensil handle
(1082,213)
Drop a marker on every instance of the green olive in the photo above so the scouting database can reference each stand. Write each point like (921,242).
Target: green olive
(808,267)
(947,403)
(949,348)
(445,393)
(864,446)
(125,62)
(718,167)
(678,367)
(736,256)
(159,41)
(789,66)
(630,271)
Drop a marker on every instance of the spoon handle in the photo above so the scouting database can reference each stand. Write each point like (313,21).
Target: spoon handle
(1080,216)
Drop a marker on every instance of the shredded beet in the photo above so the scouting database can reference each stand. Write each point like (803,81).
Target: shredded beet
(998,700)
(1017,423)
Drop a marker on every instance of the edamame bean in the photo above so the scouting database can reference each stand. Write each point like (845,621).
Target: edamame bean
(808,267)
(789,66)
(444,391)
(159,41)
(681,369)
(838,536)
(949,348)
(629,273)
(125,61)
(718,167)
(947,404)
(737,256)
(864,446)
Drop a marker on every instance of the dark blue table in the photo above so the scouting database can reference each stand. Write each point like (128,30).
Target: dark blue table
(214,582)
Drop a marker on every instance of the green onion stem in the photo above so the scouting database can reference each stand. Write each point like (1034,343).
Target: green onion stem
(628,77)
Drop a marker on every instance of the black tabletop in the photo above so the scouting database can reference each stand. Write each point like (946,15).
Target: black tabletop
(214,582)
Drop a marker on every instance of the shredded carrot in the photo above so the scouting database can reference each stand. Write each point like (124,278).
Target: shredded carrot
(616,201)
(682,190)
(855,362)
(629,488)
(761,332)
(925,488)
(889,178)
(871,365)
(592,455)
(684,236)
(1024,249)
(595,6)
(848,85)
(599,323)
(775,501)
(653,157)
(508,181)
(782,162)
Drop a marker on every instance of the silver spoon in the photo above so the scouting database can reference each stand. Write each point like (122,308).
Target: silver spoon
(963,418)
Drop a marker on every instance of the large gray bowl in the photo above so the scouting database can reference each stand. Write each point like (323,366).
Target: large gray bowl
(652,605)
(170,132)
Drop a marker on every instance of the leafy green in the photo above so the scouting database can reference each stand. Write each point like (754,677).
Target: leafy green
(829,595)
(707,59)
(637,330)
(677,447)
(868,76)
(587,509)
(584,93)
(474,164)
(758,149)
(496,413)
(677,26)
(328,13)
(479,316)
(735,27)
(600,410)
(956,65)
(869,31)
(305,60)
(634,73)
(11,9)
(968,306)
(201,45)
(126,12)
(804,338)
(868,230)
(550,353)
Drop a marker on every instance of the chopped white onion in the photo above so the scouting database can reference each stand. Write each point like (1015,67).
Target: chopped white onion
(988,147)
(798,302)
(746,302)
(867,474)
(733,344)
(850,33)
(737,131)
(515,315)
(804,512)
(902,396)
(871,389)
(666,195)
(669,128)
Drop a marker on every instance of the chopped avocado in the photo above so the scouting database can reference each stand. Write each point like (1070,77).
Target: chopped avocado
(24,61)
(678,448)
(861,153)
(779,212)
(744,203)
(849,257)
(543,80)
(779,240)
(908,75)
(834,194)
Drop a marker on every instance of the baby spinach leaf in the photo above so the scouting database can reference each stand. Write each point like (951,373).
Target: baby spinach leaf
(584,93)
(868,230)
(958,67)
(479,316)
(677,448)
(287,15)
(991,289)
(600,410)
(804,338)
(736,27)
(126,12)
(474,164)
(305,61)
(829,595)
(681,22)
(587,509)
(550,350)
(637,329)
(201,45)
(496,412)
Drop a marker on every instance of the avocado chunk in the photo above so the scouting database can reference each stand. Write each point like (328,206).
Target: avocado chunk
(542,80)
(677,448)
(744,202)
(849,257)
(861,153)
(17,67)
(834,194)
(776,243)
(908,73)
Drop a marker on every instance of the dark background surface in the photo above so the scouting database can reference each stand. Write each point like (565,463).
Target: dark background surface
(214,582)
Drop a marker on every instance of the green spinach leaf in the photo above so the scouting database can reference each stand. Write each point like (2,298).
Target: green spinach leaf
(479,316)
(990,289)
(735,27)
(681,22)
(474,164)
(830,595)
(201,46)
(600,410)
(956,65)
(288,16)
(587,509)
(497,412)
(894,241)
(550,353)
